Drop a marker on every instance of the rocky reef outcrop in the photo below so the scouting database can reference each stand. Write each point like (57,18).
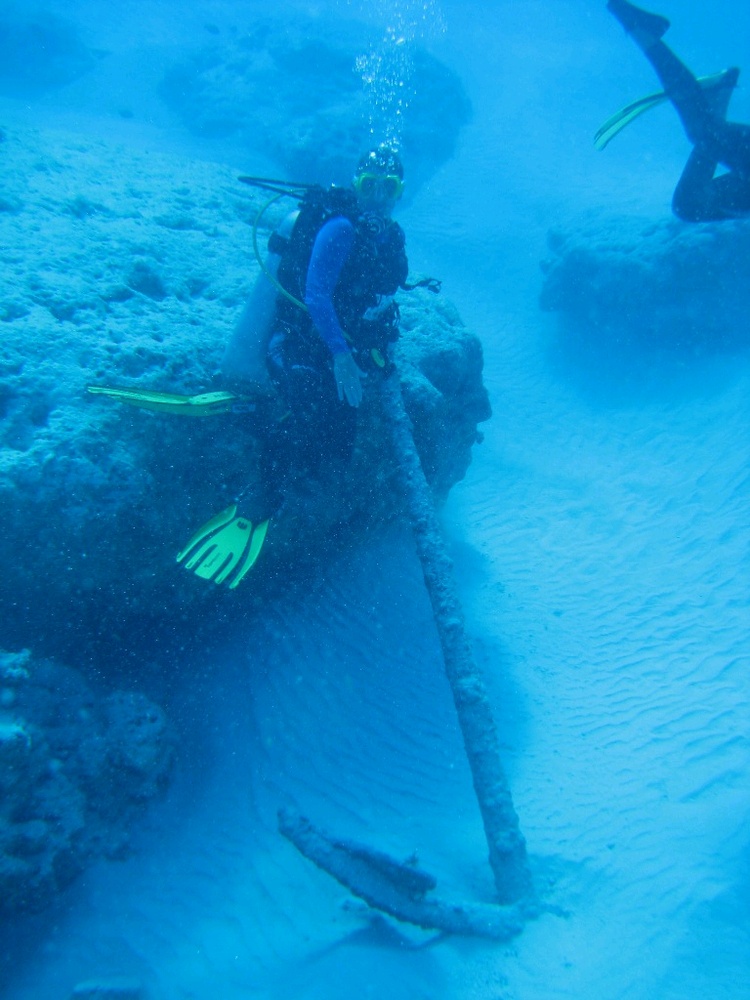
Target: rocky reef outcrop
(77,767)
(129,269)
(298,87)
(659,283)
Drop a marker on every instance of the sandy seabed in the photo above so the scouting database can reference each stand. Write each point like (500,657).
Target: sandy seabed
(602,553)
(602,559)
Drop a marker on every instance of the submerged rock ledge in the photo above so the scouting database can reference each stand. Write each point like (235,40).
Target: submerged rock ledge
(651,281)
(126,268)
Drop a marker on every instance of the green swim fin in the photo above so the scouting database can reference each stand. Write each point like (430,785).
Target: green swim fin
(606,133)
(230,545)
(625,116)
(204,404)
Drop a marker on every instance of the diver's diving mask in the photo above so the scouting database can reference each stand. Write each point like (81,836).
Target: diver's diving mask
(388,185)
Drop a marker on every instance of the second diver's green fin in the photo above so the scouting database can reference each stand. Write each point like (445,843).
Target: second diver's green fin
(226,544)
(204,404)
(606,133)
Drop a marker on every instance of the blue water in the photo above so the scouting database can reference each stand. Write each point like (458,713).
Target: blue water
(601,547)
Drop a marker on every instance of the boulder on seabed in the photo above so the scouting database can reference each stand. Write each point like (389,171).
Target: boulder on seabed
(310,91)
(663,282)
(138,283)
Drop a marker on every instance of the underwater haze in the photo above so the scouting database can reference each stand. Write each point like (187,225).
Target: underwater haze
(600,538)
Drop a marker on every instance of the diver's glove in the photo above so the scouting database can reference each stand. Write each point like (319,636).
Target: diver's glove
(348,376)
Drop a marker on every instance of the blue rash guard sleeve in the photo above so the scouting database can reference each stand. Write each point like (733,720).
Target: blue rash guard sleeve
(332,246)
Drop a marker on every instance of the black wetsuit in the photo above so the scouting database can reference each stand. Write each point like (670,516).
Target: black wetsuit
(700,196)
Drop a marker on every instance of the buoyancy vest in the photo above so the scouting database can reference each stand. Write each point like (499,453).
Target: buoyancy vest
(373,272)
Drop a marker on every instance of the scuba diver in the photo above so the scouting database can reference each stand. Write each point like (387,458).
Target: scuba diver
(334,268)
(346,272)
(320,319)
(701,104)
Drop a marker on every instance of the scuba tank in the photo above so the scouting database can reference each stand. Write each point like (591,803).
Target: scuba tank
(289,245)
(283,272)
(245,354)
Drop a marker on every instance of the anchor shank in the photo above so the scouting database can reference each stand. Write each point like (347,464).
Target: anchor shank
(507,847)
